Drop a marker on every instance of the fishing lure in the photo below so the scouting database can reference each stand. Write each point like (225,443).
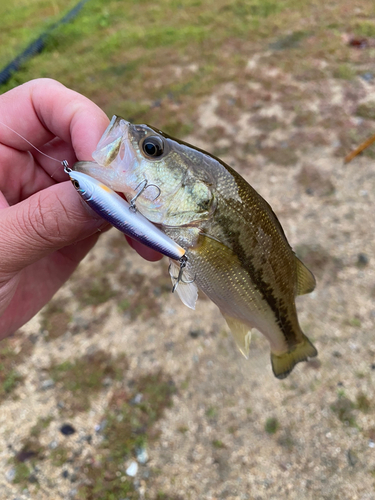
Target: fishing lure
(122,215)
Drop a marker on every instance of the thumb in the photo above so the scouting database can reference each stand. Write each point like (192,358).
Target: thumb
(46,221)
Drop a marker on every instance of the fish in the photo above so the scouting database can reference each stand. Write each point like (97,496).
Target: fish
(237,253)
(111,207)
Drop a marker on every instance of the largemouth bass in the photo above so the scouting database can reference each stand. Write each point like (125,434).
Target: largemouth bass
(236,249)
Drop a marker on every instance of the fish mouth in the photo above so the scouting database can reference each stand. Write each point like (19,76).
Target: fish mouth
(114,157)
(113,142)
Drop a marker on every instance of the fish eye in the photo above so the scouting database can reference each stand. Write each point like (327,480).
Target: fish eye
(153,147)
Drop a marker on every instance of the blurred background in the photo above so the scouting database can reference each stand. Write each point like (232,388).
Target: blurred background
(116,390)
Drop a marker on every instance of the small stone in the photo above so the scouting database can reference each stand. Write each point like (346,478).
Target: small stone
(107,382)
(132,469)
(33,479)
(367,77)
(47,384)
(100,427)
(352,457)
(87,438)
(194,334)
(53,444)
(10,474)
(137,399)
(362,260)
(141,455)
(371,444)
(67,430)
(372,366)
(65,474)
(169,346)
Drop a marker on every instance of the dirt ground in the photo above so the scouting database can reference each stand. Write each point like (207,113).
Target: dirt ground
(231,430)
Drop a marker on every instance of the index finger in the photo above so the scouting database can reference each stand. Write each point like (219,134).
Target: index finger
(41,109)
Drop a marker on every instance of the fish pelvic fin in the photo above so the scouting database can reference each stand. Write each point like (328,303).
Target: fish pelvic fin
(241,333)
(283,364)
(187,290)
(305,278)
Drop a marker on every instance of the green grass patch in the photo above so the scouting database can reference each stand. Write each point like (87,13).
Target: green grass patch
(363,403)
(23,21)
(211,412)
(272,425)
(59,456)
(128,426)
(344,410)
(344,71)
(365,28)
(82,379)
(366,110)
(55,319)
(94,290)
(13,350)
(216,443)
(42,424)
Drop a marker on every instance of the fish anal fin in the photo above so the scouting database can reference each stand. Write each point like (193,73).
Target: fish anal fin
(305,278)
(241,333)
(283,364)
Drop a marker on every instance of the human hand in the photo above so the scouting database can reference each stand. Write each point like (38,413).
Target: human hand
(45,228)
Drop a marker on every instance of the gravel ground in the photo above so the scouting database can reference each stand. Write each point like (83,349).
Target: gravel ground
(233,430)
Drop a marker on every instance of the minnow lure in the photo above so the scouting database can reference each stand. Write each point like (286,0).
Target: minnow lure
(122,215)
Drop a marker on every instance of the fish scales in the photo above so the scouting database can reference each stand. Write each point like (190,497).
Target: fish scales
(251,238)
(236,249)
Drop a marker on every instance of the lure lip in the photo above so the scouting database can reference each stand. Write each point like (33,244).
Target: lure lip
(120,214)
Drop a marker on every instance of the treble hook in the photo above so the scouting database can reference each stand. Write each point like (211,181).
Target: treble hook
(183,262)
(143,189)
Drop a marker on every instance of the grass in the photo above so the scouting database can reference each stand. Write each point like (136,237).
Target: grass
(55,319)
(82,379)
(13,351)
(94,290)
(23,21)
(344,410)
(128,426)
(272,425)
(108,44)
(129,423)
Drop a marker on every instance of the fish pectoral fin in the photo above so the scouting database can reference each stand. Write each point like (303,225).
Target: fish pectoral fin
(283,364)
(241,333)
(187,290)
(305,278)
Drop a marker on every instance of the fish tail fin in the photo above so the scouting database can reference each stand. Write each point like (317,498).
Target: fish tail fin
(283,364)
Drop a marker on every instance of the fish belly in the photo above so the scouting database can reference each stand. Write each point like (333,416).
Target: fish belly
(229,286)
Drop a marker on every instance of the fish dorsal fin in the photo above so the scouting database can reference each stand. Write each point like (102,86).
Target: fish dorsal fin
(188,292)
(241,333)
(305,278)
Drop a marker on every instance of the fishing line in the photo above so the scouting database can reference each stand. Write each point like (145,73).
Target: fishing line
(64,163)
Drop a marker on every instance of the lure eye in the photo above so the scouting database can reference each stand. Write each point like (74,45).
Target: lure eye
(75,183)
(153,147)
